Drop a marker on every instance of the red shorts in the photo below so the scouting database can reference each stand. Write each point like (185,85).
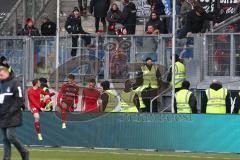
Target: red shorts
(35,110)
(67,107)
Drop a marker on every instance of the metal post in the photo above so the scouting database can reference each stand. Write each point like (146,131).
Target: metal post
(173,52)
(33,10)
(24,12)
(232,56)
(57,43)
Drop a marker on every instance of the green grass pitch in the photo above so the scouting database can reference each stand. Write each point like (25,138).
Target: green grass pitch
(96,154)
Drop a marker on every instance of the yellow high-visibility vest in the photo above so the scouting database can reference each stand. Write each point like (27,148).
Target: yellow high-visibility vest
(182,101)
(216,101)
(149,77)
(139,93)
(112,101)
(127,104)
(180,74)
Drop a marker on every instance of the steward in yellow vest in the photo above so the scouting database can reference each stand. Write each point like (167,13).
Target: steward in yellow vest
(180,73)
(216,99)
(185,101)
(129,99)
(109,98)
(150,82)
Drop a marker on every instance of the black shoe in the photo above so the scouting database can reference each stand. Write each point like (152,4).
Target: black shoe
(25,155)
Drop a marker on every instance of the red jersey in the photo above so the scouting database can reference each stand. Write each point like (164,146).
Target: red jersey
(34,97)
(89,99)
(68,94)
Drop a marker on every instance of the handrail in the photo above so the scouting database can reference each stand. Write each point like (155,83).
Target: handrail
(161,94)
(228,21)
(11,13)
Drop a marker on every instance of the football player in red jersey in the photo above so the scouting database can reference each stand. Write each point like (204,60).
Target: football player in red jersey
(67,99)
(37,104)
(90,97)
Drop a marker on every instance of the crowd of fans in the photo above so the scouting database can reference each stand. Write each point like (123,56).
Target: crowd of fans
(115,20)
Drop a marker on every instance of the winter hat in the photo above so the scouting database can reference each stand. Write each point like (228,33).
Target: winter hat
(5,67)
(3,58)
(44,16)
(29,20)
(76,9)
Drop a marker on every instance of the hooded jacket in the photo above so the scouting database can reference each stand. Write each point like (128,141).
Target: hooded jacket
(129,15)
(215,87)
(11,102)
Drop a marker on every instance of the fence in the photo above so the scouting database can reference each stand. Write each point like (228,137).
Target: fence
(171,132)
(117,58)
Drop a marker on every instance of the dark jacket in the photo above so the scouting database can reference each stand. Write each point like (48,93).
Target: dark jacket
(26,31)
(73,25)
(237,102)
(99,7)
(113,17)
(10,108)
(48,29)
(129,15)
(157,24)
(195,23)
(192,103)
(215,87)
(157,6)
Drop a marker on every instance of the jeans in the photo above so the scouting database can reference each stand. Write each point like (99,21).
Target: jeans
(9,137)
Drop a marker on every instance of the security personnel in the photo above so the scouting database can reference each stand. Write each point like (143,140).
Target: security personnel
(180,73)
(185,101)
(138,91)
(150,82)
(109,98)
(129,99)
(216,99)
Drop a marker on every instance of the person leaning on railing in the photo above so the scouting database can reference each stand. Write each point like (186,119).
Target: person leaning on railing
(29,29)
(216,99)
(185,101)
(73,25)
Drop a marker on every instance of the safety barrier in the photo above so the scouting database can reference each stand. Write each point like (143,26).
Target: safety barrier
(117,58)
(172,132)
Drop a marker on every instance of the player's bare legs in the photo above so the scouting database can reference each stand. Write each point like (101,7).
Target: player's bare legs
(37,125)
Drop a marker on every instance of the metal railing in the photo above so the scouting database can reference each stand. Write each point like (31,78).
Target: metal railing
(118,58)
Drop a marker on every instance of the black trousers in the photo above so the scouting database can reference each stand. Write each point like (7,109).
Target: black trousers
(147,95)
(9,137)
(82,4)
(87,41)
(97,20)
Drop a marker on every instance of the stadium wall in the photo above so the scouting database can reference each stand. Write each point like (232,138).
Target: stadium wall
(172,132)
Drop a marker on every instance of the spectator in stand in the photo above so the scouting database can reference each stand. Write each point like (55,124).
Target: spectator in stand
(129,14)
(186,7)
(48,27)
(155,21)
(83,6)
(195,22)
(114,17)
(74,26)
(100,9)
(157,6)
(29,29)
